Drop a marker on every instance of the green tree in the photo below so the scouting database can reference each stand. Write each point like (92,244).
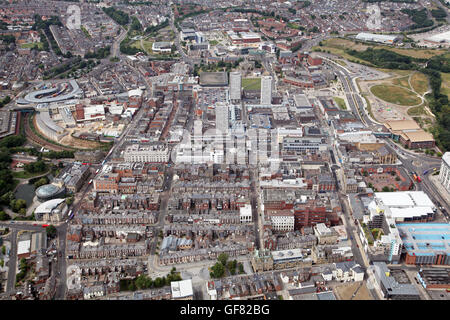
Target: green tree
(159,282)
(3,250)
(41,182)
(7,197)
(17,204)
(143,282)
(241,268)
(4,216)
(217,270)
(51,231)
(223,257)
(69,200)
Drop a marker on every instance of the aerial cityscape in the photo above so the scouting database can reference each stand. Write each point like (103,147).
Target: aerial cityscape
(224,150)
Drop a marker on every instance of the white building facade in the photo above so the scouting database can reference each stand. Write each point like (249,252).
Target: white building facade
(222,117)
(266,90)
(151,153)
(235,86)
(444,173)
(283,222)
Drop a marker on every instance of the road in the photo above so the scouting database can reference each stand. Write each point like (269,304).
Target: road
(15,227)
(354,99)
(184,57)
(413,162)
(12,264)
(61,263)
(256,208)
(115,50)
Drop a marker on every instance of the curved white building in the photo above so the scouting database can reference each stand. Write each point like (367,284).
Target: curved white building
(48,127)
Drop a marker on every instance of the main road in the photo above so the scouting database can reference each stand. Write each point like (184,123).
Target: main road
(413,162)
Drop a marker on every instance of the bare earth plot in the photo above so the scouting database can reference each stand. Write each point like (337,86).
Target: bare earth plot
(400,97)
(346,291)
(68,140)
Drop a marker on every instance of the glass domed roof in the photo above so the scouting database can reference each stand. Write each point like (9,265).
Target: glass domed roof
(47,190)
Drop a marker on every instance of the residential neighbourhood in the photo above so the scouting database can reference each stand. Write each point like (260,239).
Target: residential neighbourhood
(224,150)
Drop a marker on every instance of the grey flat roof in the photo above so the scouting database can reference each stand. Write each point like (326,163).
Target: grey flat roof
(214,79)
(45,117)
(31,97)
(390,284)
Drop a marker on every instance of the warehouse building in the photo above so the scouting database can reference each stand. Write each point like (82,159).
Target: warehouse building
(426,243)
(409,133)
(434,278)
(162,46)
(405,206)
(380,38)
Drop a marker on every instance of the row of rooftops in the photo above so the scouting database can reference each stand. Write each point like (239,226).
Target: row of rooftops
(211,251)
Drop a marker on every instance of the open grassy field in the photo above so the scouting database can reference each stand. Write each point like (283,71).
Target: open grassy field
(86,33)
(394,94)
(251,83)
(38,45)
(340,102)
(419,82)
(26,175)
(147,46)
(417,111)
(344,44)
(403,81)
(136,44)
(416,53)
(445,86)
(338,46)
